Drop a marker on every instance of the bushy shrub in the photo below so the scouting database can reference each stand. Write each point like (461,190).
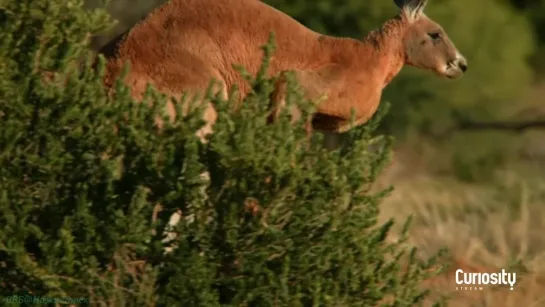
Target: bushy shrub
(282,222)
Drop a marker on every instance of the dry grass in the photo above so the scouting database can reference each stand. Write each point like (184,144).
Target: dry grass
(485,227)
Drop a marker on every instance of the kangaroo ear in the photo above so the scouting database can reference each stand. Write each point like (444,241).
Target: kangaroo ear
(412,8)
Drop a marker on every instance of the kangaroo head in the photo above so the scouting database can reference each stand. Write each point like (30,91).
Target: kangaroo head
(426,44)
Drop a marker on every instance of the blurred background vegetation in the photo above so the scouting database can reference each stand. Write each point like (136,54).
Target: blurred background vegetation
(437,164)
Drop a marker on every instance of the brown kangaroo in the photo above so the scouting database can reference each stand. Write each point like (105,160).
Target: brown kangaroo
(184,44)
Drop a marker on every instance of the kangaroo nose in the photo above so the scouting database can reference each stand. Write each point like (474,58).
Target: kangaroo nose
(462,63)
(463,66)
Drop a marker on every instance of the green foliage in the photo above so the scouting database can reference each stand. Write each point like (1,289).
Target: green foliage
(282,221)
(534,10)
(349,18)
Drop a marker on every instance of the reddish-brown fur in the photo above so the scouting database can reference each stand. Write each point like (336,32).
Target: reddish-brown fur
(182,45)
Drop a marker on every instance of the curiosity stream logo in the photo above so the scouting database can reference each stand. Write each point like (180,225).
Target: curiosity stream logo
(472,281)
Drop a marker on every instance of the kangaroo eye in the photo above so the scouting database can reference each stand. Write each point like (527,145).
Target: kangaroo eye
(435,35)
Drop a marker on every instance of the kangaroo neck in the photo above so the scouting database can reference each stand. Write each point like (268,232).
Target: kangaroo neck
(387,48)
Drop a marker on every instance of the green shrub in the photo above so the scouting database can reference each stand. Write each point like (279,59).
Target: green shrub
(282,222)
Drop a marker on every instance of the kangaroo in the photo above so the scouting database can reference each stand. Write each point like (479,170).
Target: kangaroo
(184,44)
